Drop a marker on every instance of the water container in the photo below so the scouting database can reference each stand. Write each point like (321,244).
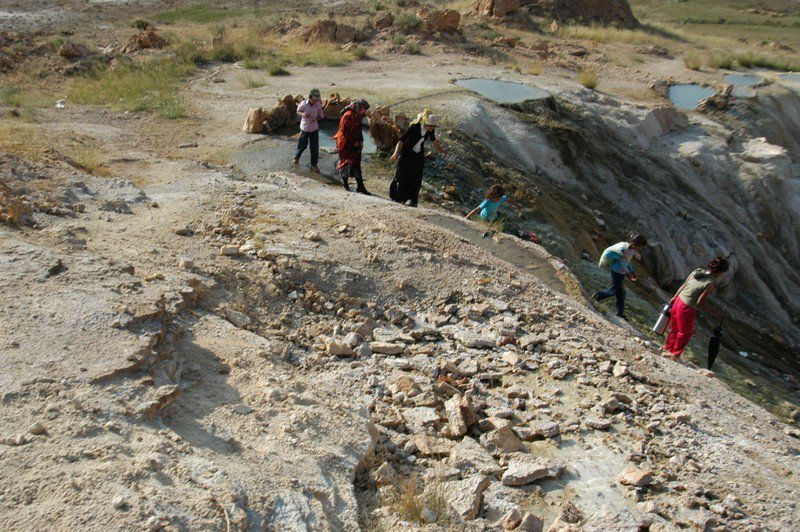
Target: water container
(663,319)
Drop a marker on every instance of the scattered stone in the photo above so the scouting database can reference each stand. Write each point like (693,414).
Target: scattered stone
(511,520)
(383,20)
(188,145)
(119,502)
(538,429)
(313,236)
(465,496)
(470,455)
(525,471)
(229,250)
(620,370)
(431,446)
(338,349)
(421,416)
(144,40)
(433,21)
(455,417)
(610,405)
(531,523)
(37,428)
(502,440)
(120,206)
(242,410)
(386,348)
(186,264)
(474,340)
(633,476)
(598,423)
(386,475)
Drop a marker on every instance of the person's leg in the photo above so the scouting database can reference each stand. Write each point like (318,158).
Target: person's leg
(302,144)
(359,180)
(313,139)
(416,185)
(344,173)
(686,317)
(619,291)
(603,294)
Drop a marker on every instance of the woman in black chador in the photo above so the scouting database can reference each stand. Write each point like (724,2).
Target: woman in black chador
(410,151)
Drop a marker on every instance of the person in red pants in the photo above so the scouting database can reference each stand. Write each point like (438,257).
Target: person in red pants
(692,294)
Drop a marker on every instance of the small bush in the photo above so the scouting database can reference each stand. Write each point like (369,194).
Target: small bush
(171,106)
(190,53)
(723,60)
(411,501)
(399,39)
(413,48)
(588,78)
(278,70)
(360,53)
(140,24)
(692,61)
(406,22)
(534,69)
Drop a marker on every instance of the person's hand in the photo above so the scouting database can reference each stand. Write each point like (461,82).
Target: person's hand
(394,157)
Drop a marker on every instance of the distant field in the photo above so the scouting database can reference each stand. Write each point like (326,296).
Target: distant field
(775,21)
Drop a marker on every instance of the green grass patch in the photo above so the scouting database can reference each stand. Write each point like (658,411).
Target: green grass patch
(154,85)
(399,39)
(413,48)
(360,53)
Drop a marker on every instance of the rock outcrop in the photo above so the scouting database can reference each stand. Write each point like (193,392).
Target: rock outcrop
(605,12)
(433,21)
(328,31)
(385,130)
(496,8)
(260,120)
(142,41)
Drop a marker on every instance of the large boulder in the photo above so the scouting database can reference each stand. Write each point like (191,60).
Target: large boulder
(260,120)
(433,21)
(383,130)
(383,20)
(496,8)
(605,12)
(255,120)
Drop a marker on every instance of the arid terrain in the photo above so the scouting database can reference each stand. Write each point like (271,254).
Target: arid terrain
(199,335)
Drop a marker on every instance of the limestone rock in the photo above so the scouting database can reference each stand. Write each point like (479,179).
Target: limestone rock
(474,340)
(386,475)
(338,349)
(465,496)
(333,106)
(431,446)
(469,454)
(420,416)
(598,423)
(522,471)
(37,428)
(255,121)
(539,429)
(496,8)
(531,523)
(328,30)
(71,50)
(633,476)
(229,250)
(387,348)
(502,440)
(433,21)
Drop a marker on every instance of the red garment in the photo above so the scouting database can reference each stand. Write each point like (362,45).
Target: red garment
(681,327)
(349,140)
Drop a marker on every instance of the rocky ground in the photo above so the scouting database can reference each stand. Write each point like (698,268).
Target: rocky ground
(206,337)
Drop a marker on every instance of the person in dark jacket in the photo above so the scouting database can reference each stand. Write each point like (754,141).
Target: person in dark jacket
(410,156)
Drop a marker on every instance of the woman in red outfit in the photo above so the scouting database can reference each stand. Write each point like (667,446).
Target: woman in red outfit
(350,142)
(693,293)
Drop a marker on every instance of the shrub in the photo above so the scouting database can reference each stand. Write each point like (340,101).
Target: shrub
(171,106)
(692,61)
(278,70)
(399,39)
(722,60)
(406,22)
(588,78)
(413,48)
(411,501)
(360,53)
(534,69)
(140,24)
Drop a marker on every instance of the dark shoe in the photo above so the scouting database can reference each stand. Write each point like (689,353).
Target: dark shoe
(296,160)
(413,204)
(345,184)
(622,317)
(315,168)
(364,191)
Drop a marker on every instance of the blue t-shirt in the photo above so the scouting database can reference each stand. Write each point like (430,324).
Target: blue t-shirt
(489,208)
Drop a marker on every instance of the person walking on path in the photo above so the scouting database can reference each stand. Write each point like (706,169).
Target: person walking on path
(693,293)
(490,206)
(410,156)
(350,142)
(618,258)
(311,113)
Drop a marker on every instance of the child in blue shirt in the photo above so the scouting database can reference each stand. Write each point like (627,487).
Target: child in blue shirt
(495,197)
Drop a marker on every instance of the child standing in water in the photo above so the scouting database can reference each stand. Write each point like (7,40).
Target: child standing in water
(495,197)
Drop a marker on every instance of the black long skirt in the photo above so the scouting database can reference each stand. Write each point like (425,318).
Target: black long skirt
(408,179)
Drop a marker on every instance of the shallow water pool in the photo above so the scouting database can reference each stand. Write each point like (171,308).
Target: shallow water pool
(689,96)
(503,91)
(740,83)
(327,129)
(792,76)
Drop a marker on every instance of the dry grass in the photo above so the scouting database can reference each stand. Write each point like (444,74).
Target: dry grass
(692,61)
(23,141)
(600,34)
(589,79)
(412,501)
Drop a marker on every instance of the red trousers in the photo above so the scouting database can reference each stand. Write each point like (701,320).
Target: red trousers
(681,327)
